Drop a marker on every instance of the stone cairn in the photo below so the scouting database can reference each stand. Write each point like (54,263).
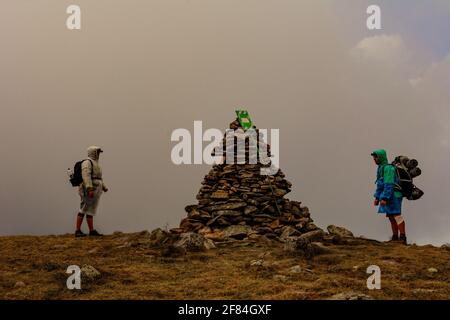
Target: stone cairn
(237,201)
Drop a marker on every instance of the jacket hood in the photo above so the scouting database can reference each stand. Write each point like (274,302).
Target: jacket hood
(93,152)
(381,155)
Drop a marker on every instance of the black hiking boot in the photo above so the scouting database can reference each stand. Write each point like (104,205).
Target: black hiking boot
(394,238)
(79,234)
(94,233)
(403,239)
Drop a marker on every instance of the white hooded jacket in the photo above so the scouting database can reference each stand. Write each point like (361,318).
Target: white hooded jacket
(91,170)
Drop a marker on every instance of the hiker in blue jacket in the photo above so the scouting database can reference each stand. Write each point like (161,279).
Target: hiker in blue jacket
(387,196)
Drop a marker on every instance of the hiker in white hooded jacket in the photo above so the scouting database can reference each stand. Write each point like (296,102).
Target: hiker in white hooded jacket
(90,191)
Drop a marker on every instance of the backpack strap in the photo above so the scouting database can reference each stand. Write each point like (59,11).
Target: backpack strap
(381,169)
(92,166)
(397,185)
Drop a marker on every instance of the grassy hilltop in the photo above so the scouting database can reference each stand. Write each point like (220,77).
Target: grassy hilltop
(130,266)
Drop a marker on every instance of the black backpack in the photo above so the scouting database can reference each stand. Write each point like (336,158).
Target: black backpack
(76,178)
(406,170)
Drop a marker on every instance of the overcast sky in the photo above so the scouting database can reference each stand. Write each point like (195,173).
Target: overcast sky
(139,69)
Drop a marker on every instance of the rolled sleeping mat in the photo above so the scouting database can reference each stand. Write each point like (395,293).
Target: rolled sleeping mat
(415,172)
(412,163)
(402,160)
(416,194)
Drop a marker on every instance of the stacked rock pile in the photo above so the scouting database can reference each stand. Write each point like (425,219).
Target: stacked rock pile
(237,201)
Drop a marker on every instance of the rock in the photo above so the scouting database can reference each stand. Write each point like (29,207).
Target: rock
(350,296)
(315,235)
(186,224)
(263,240)
(262,263)
(159,236)
(290,244)
(446,246)
(264,255)
(256,262)
(89,272)
(295,269)
(176,231)
(126,244)
(311,227)
(228,213)
(275,224)
(93,251)
(432,270)
(220,195)
(19,284)
(191,241)
(254,236)
(227,206)
(144,234)
(237,231)
(250,209)
(299,245)
(205,230)
(339,231)
(270,236)
(217,236)
(190,208)
(423,291)
(280,277)
(172,251)
(209,244)
(288,231)
(279,192)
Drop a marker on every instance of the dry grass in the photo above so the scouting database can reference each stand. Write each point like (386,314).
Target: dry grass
(132,269)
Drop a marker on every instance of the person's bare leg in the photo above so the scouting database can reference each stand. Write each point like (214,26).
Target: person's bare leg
(394,227)
(80,218)
(402,228)
(78,232)
(92,231)
(90,222)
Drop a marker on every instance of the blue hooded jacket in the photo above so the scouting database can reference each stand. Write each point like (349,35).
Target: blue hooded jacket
(386,181)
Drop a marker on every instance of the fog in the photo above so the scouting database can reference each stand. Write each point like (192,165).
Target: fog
(137,70)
